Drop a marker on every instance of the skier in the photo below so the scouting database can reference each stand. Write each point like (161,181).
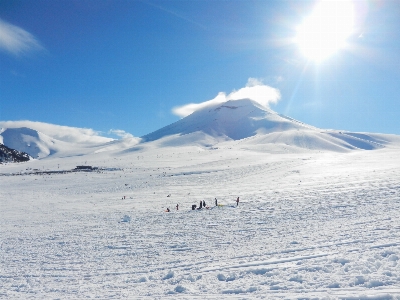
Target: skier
(201,204)
(177,206)
(167,210)
(204,203)
(216,202)
(237,201)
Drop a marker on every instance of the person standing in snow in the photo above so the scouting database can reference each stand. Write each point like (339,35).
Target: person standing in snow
(204,203)
(237,201)
(201,204)
(216,202)
(177,206)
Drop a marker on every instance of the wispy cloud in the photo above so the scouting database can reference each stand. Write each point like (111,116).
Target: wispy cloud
(255,90)
(173,13)
(16,40)
(187,109)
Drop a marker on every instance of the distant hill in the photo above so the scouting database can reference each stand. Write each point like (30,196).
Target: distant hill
(60,141)
(12,155)
(33,142)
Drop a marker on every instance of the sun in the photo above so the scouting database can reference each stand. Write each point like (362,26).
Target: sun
(326,30)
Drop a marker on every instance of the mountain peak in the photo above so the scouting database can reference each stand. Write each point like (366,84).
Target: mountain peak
(234,120)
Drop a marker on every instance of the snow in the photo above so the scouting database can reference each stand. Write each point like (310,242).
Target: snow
(61,133)
(257,127)
(73,141)
(318,216)
(235,119)
(244,121)
(309,225)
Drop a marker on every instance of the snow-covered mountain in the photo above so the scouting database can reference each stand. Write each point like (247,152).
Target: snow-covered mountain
(232,120)
(33,142)
(41,140)
(243,124)
(258,127)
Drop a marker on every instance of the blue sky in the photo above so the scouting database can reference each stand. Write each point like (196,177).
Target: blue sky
(125,65)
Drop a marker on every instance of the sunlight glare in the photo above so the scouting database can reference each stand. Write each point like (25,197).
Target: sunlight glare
(325,31)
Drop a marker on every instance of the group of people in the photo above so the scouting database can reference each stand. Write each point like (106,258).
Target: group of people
(201,205)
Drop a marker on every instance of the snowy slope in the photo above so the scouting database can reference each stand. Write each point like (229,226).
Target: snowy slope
(308,226)
(314,140)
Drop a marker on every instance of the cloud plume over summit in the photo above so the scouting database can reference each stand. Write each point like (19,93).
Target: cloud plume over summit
(255,90)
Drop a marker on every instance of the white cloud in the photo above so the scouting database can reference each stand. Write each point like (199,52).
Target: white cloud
(62,133)
(121,133)
(255,90)
(187,109)
(16,40)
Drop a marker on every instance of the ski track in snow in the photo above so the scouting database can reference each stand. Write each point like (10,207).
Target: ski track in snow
(309,226)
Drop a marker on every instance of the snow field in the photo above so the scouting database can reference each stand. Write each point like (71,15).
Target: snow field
(308,226)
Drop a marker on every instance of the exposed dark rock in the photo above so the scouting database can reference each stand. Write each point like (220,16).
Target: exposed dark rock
(11,155)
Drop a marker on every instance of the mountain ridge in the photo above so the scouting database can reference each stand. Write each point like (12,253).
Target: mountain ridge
(235,123)
(256,127)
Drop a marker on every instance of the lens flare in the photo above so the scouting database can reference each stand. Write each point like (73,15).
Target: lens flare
(326,30)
